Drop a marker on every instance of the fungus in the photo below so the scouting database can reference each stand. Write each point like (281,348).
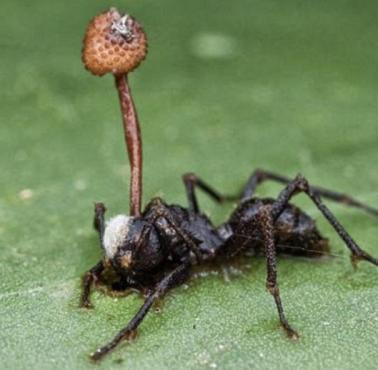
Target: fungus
(116,43)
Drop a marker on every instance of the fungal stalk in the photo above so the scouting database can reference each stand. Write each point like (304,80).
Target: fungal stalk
(117,44)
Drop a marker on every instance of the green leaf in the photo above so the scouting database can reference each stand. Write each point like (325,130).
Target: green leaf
(227,87)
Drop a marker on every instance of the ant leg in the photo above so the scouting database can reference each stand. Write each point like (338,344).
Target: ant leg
(300,184)
(257,177)
(260,176)
(266,224)
(99,221)
(88,279)
(175,277)
(162,211)
(94,273)
(191,181)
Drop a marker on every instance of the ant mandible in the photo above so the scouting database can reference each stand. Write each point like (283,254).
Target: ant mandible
(155,250)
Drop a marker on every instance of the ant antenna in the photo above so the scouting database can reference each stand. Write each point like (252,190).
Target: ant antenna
(117,44)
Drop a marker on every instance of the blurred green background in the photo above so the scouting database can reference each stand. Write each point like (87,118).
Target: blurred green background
(227,87)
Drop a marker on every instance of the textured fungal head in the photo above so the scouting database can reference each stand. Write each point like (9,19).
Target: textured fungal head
(113,43)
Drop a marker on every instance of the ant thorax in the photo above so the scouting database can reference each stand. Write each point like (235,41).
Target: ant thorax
(116,231)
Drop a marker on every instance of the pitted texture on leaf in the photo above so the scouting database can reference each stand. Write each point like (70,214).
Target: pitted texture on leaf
(106,49)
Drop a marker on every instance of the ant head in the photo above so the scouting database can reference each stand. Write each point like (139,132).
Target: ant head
(132,245)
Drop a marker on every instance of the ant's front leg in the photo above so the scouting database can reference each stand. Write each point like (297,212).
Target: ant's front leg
(94,273)
(177,276)
(191,181)
(89,278)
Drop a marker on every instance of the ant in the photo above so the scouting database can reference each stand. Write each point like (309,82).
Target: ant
(155,250)
(158,249)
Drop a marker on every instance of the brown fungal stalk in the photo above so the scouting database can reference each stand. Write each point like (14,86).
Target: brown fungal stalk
(117,44)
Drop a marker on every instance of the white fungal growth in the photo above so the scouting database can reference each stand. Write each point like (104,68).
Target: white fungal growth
(115,234)
(122,27)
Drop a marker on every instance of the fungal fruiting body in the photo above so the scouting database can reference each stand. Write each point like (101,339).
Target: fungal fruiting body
(113,43)
(116,43)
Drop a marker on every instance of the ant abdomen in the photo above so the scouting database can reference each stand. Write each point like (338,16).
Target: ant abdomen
(295,232)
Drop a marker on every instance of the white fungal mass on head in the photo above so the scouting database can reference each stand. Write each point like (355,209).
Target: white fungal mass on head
(115,234)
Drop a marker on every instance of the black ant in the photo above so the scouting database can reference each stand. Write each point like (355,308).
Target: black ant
(155,250)
(158,249)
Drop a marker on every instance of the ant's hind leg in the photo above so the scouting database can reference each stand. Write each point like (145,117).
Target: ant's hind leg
(259,176)
(300,184)
(266,224)
(191,181)
(175,277)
